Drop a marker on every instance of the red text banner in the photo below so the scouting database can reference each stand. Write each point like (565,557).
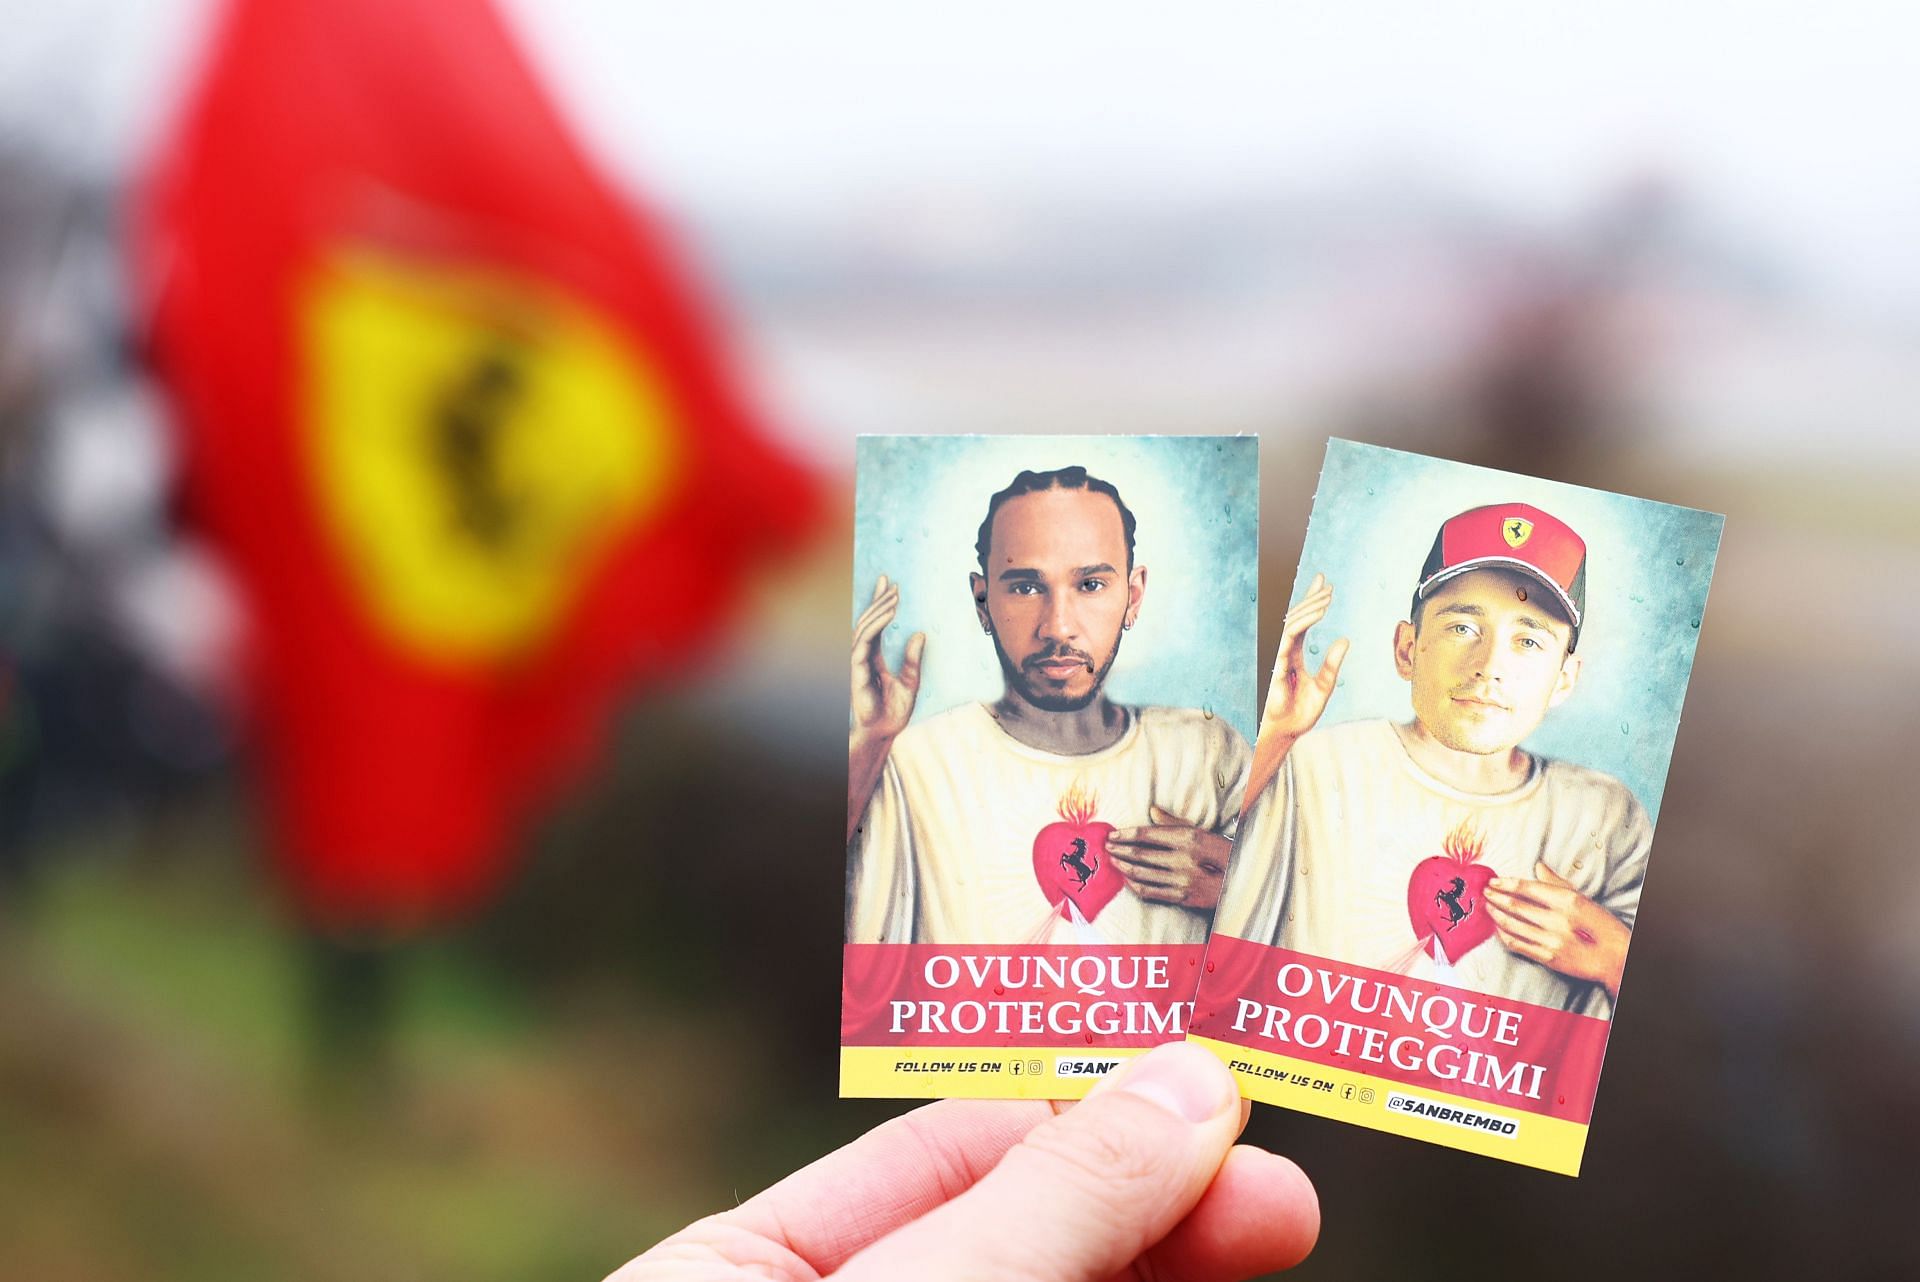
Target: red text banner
(1467,1044)
(1109,995)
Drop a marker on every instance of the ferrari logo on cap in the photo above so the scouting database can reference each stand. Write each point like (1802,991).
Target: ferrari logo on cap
(1516,530)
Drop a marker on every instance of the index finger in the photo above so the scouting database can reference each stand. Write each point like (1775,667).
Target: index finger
(888,1177)
(1300,620)
(871,624)
(1150,859)
(1259,1215)
(1164,836)
(1543,893)
(884,598)
(1319,589)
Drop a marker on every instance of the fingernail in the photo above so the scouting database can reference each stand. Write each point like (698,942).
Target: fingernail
(1182,1078)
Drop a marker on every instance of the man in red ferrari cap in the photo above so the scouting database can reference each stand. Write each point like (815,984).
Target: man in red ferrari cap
(1439,847)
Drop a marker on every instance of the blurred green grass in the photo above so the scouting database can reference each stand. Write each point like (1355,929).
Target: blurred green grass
(162,1115)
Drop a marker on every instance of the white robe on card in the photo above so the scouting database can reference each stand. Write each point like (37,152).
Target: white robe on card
(944,851)
(1330,846)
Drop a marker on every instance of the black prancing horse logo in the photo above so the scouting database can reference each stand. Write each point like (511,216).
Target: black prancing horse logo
(1078,862)
(1450,900)
(467,426)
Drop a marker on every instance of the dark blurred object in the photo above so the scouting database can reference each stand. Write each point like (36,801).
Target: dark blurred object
(101,717)
(1546,382)
(457,421)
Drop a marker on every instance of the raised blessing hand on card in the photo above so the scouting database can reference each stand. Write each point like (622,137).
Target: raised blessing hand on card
(1295,699)
(1141,1179)
(883,700)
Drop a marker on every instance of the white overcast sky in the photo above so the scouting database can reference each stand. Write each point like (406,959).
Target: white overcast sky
(1789,122)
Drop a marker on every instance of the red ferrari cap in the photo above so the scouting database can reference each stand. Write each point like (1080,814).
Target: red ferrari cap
(1512,536)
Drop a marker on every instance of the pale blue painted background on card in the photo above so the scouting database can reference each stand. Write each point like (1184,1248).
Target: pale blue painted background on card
(1648,568)
(1195,500)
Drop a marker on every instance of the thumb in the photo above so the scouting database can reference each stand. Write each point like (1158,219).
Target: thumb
(1548,875)
(1161,815)
(1084,1194)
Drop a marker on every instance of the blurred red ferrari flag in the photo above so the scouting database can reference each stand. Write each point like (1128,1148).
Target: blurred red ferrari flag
(457,421)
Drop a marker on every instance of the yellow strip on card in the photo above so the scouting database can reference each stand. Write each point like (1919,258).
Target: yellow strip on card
(1549,1143)
(1011,1072)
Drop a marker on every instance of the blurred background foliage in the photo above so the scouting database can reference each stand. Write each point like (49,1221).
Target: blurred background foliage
(1664,252)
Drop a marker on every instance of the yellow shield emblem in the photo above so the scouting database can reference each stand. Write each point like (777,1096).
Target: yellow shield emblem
(476,440)
(1516,530)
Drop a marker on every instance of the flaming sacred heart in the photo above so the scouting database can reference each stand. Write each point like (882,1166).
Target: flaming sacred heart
(1070,858)
(1445,896)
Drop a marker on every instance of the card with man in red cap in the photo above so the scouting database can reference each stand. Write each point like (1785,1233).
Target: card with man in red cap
(1446,835)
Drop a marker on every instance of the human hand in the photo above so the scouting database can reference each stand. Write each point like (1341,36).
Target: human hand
(1141,1179)
(1171,861)
(883,700)
(1548,921)
(1295,699)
